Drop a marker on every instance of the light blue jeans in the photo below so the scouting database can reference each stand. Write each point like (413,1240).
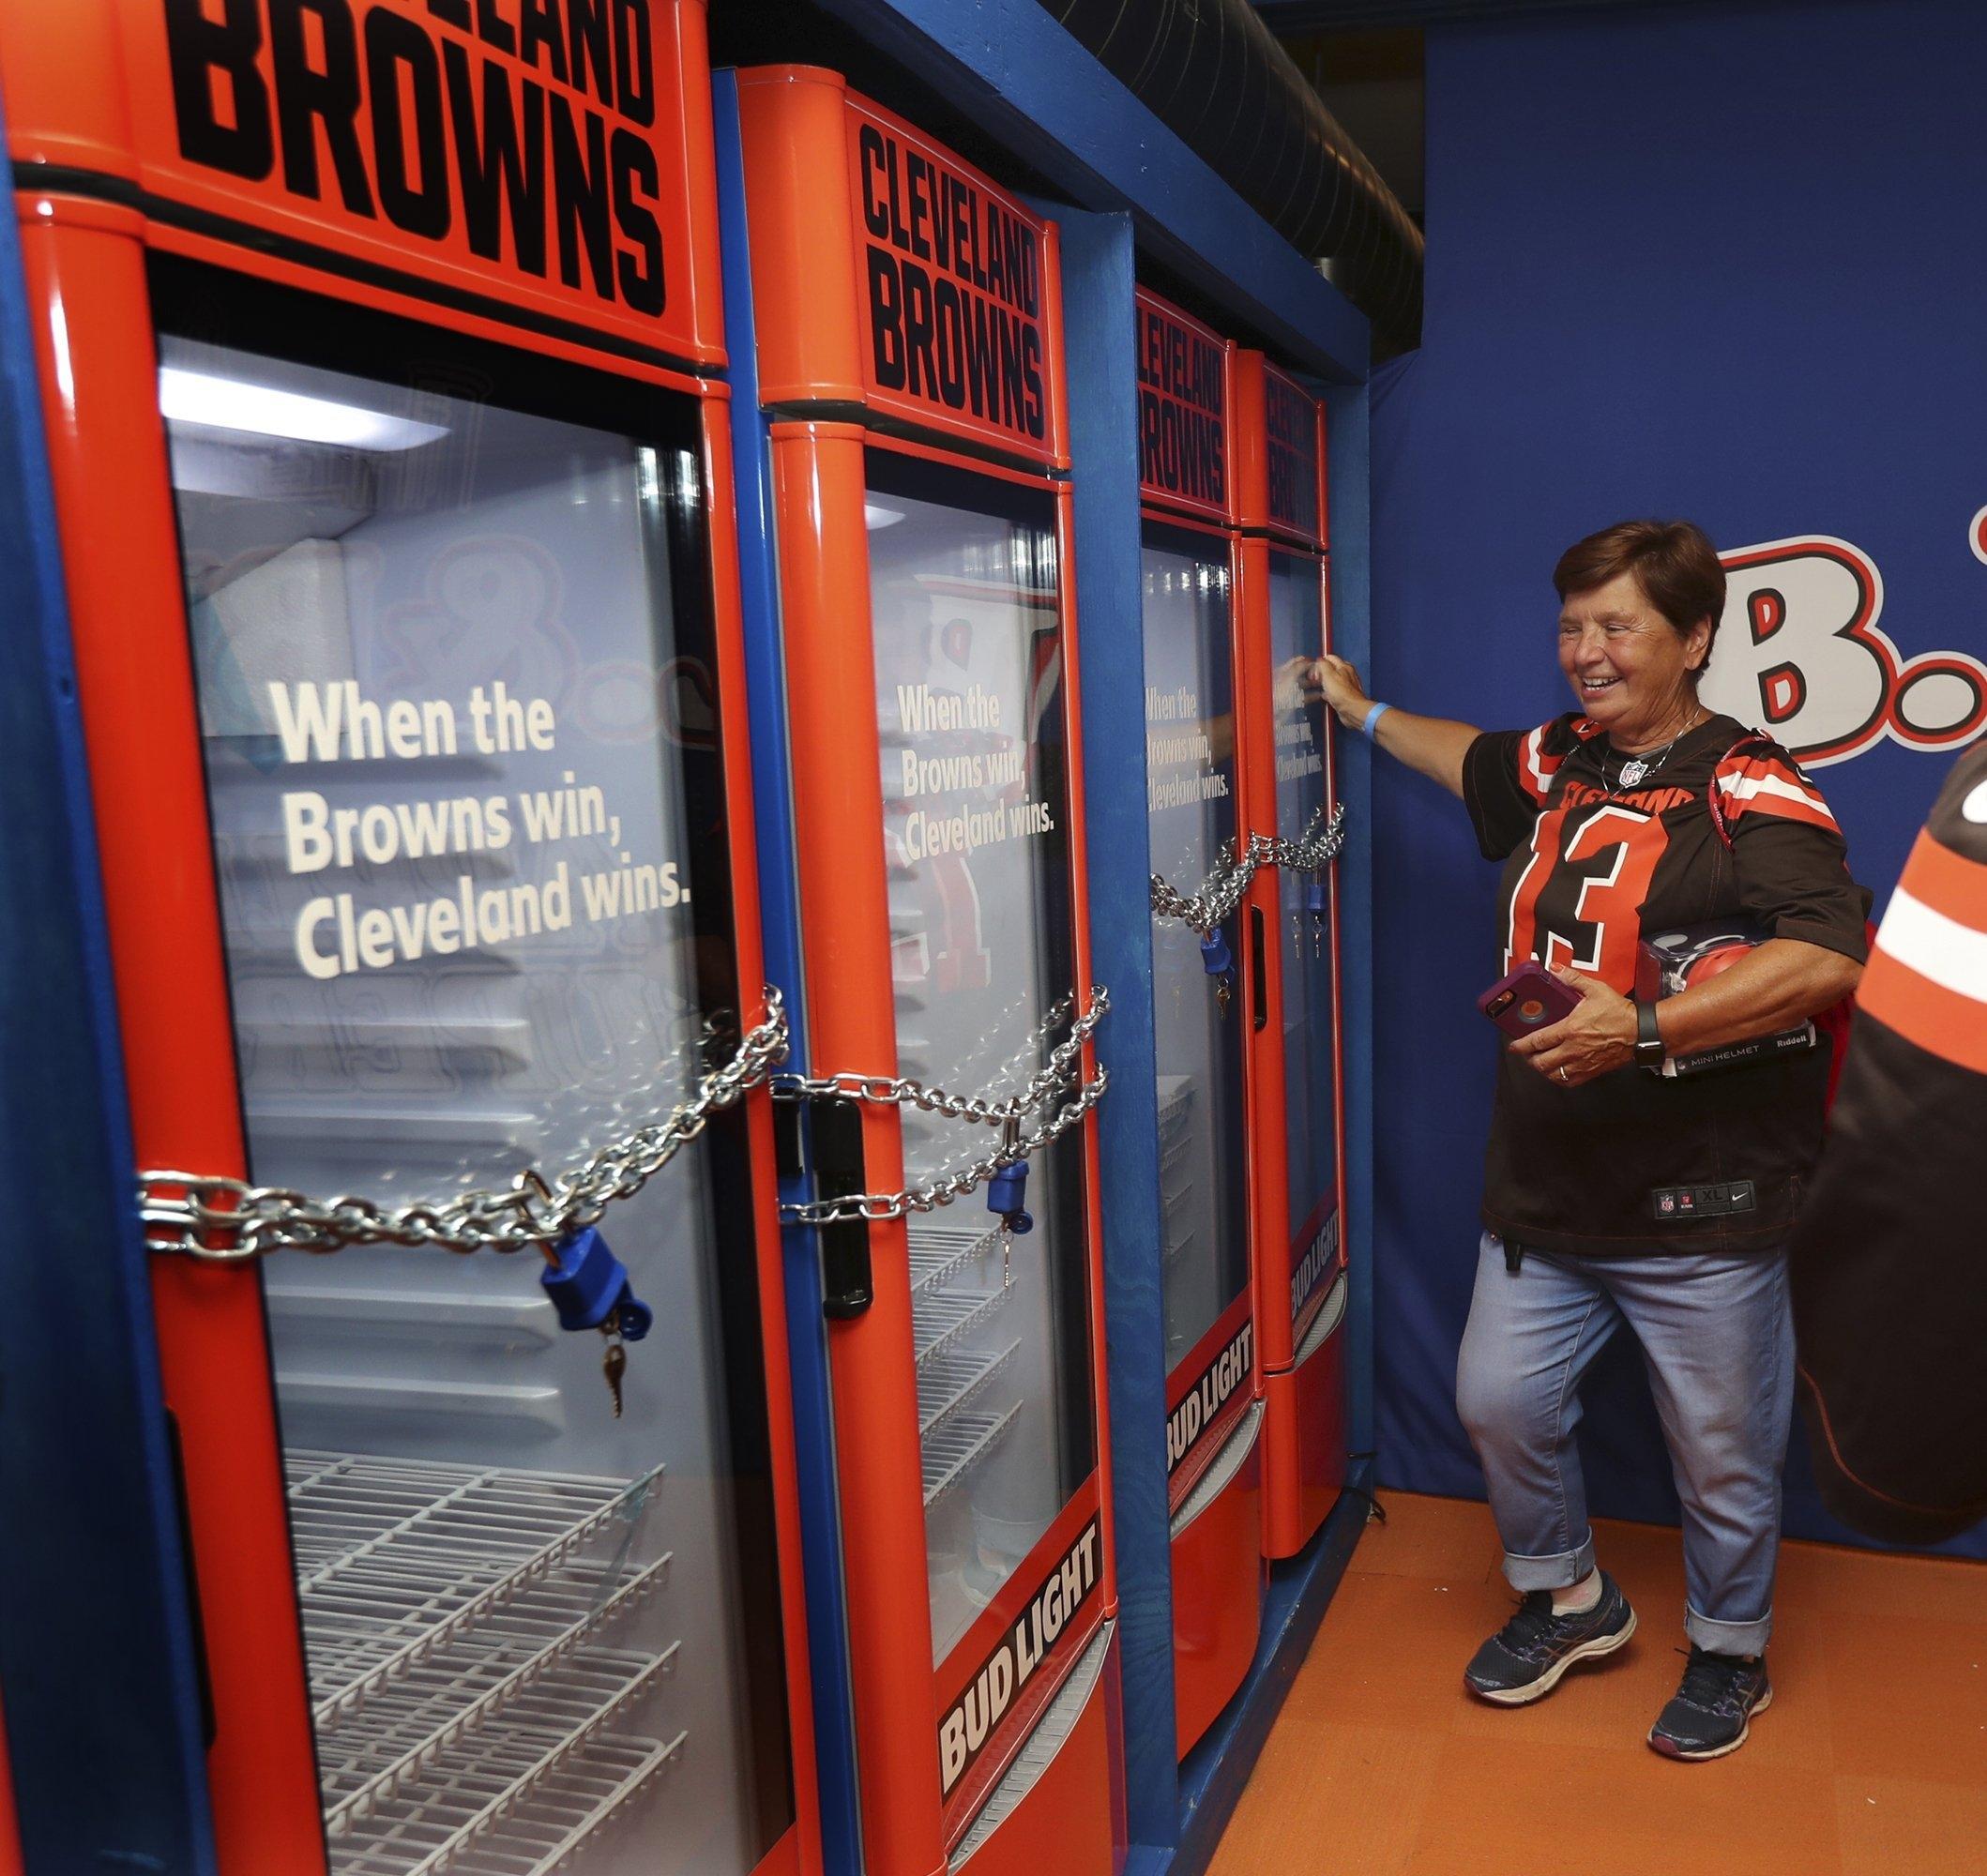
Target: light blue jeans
(1718,1338)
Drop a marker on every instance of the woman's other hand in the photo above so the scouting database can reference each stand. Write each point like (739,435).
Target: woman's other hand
(1339,683)
(1596,1040)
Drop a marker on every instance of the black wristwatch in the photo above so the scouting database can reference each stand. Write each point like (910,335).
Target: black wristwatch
(1649,1050)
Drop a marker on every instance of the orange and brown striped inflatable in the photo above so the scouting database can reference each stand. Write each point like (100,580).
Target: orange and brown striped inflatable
(1889,1259)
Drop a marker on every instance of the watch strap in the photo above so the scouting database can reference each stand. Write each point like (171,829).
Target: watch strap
(1649,1050)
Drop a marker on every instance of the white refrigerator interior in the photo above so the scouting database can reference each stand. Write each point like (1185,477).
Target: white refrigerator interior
(1296,633)
(967,630)
(1198,1016)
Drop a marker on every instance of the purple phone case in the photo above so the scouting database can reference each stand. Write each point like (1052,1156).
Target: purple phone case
(1529,999)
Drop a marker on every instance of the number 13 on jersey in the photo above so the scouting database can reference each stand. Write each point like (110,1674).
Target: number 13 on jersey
(1579,900)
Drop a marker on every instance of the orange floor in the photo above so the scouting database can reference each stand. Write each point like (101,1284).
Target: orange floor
(1872,1761)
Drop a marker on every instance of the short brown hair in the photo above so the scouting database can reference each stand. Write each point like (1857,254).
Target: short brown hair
(1674,562)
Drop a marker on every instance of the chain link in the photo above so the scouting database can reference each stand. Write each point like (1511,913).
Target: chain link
(222,1220)
(876,1208)
(1048,1084)
(1211,907)
(898,1091)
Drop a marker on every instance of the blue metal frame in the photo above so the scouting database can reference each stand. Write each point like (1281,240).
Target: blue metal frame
(1100,338)
(780,915)
(1177,1811)
(1027,83)
(1215,1773)
(97,1666)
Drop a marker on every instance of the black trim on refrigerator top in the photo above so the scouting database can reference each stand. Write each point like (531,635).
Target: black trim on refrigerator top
(829,410)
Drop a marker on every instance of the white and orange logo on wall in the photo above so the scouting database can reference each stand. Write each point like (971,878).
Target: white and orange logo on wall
(1800,654)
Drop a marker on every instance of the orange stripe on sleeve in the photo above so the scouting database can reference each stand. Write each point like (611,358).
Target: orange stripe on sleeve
(1940,1021)
(1948,882)
(1777,808)
(1536,766)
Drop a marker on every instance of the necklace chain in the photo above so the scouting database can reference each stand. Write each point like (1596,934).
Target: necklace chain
(1635,770)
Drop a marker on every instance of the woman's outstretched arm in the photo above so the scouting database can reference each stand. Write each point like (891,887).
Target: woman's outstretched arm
(1434,745)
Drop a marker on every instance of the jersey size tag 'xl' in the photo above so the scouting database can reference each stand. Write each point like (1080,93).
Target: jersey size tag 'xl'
(1674,1203)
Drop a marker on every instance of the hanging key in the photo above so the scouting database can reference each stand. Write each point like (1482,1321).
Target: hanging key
(614,1359)
(1219,962)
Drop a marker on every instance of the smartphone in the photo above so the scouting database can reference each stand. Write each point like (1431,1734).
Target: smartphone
(1529,998)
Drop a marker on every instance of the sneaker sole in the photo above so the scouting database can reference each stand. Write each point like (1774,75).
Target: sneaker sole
(1533,1691)
(1673,1750)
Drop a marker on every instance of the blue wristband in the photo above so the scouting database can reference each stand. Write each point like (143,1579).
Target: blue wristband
(1373,717)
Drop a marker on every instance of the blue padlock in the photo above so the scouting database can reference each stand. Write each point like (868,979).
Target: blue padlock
(1008,1193)
(1317,898)
(1215,958)
(590,1283)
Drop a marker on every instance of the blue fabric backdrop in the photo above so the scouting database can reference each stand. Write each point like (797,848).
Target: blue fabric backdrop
(1721,263)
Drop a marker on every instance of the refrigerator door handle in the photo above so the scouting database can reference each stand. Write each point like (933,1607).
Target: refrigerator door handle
(1259,968)
(835,1126)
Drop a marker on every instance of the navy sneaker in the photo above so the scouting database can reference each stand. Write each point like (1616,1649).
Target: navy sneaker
(1713,1708)
(1525,1658)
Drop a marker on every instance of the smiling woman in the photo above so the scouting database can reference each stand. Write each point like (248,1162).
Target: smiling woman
(1639,608)
(1623,1185)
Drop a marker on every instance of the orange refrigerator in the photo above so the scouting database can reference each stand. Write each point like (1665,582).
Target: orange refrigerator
(1299,1157)
(1206,991)
(907,321)
(380,357)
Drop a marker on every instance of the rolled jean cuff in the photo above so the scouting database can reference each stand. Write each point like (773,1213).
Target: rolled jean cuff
(1561,1571)
(1727,1638)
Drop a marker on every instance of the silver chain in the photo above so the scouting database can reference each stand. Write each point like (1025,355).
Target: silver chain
(225,1220)
(875,1207)
(222,1220)
(898,1091)
(1223,891)
(1052,1081)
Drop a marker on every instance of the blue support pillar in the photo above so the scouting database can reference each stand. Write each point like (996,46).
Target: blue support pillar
(779,917)
(99,1671)
(1098,270)
(1351,637)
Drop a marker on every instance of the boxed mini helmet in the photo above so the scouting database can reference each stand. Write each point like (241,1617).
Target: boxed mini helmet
(1670,962)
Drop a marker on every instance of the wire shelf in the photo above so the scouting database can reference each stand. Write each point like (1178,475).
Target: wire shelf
(940,1320)
(953,1382)
(398,1558)
(519,1796)
(960,1446)
(939,1253)
(377,1749)
(1176,1097)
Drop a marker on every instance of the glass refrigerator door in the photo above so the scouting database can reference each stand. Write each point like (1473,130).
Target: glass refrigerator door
(1198,1019)
(452,646)
(966,610)
(1297,630)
